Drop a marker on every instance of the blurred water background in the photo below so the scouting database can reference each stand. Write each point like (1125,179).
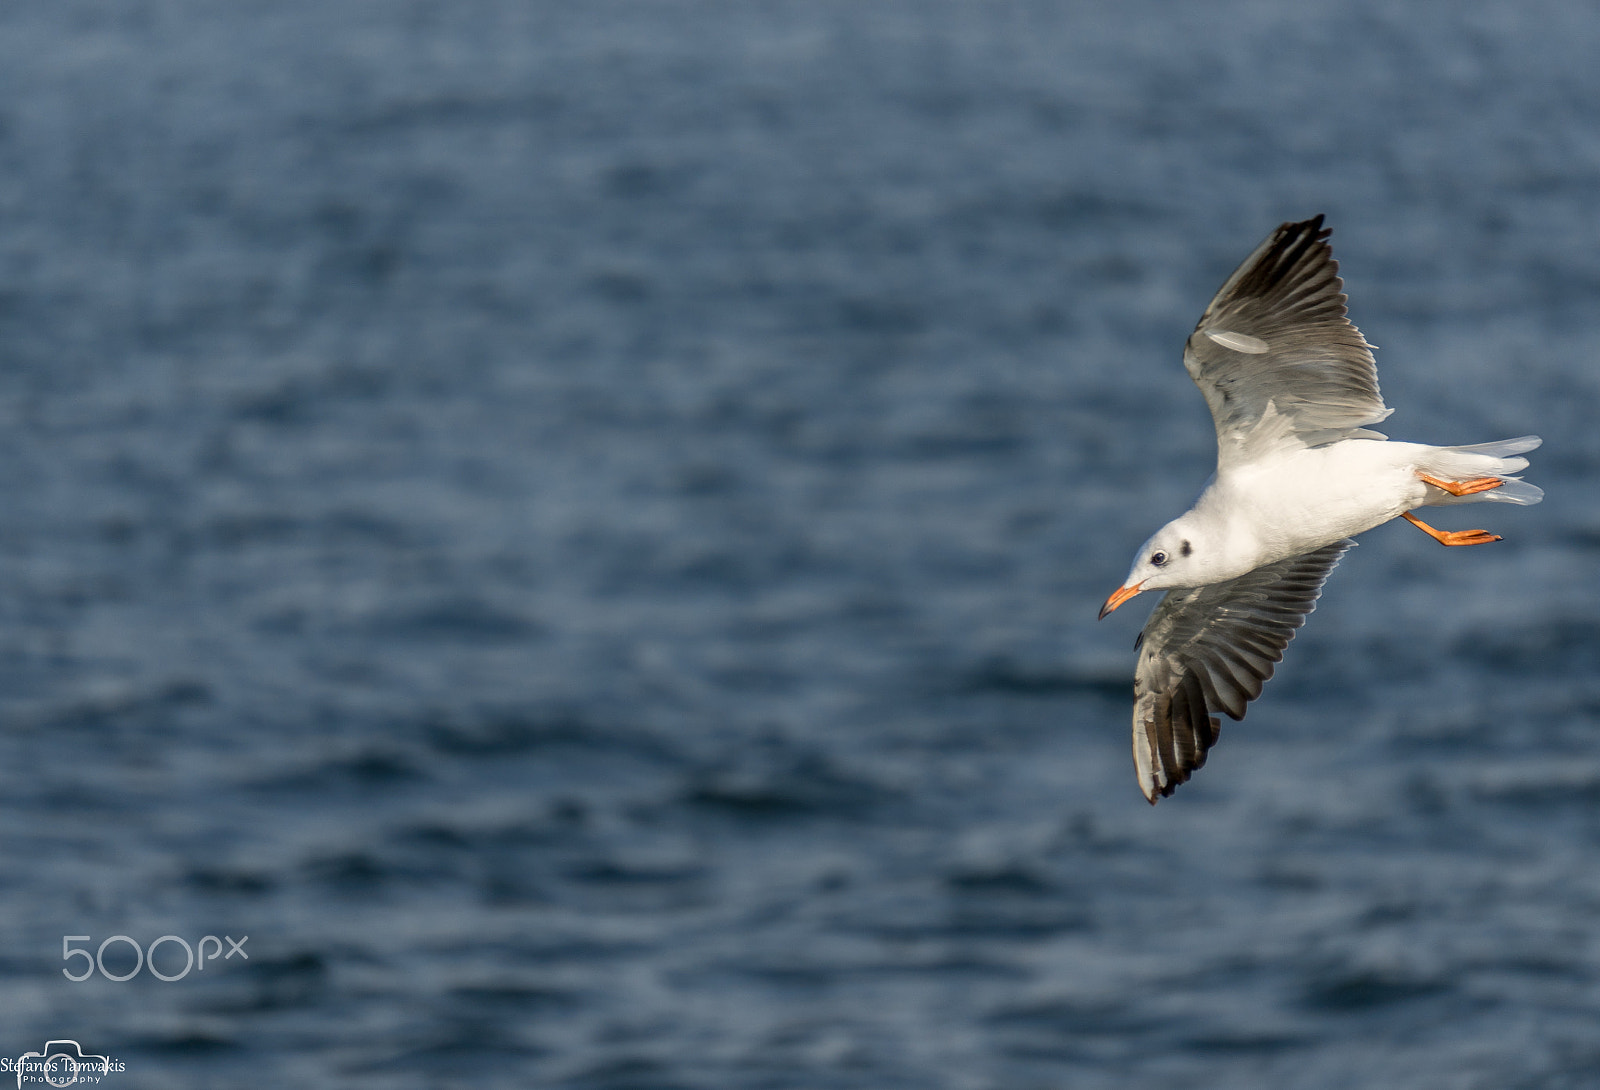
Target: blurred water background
(578,529)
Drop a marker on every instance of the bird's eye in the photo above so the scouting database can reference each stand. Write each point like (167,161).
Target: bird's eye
(1158,558)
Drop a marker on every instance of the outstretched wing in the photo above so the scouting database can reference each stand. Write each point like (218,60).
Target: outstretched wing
(1209,649)
(1276,358)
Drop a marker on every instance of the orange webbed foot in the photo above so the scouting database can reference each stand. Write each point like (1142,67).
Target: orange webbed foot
(1453,537)
(1468,537)
(1463,488)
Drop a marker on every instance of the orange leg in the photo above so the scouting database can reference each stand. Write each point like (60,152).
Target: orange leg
(1463,488)
(1452,537)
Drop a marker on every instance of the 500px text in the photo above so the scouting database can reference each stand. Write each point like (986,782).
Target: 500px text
(195,957)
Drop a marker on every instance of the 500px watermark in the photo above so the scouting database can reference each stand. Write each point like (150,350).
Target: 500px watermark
(62,1063)
(146,956)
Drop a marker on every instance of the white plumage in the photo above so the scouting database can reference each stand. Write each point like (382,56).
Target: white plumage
(1292,389)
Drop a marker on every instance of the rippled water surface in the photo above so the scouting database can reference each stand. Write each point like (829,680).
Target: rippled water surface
(577,528)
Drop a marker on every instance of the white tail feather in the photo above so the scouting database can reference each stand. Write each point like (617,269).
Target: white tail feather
(1504,447)
(1488,460)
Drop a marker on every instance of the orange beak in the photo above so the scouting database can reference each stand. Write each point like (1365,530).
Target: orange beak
(1122,594)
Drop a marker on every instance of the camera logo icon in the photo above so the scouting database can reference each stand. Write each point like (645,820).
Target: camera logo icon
(60,1064)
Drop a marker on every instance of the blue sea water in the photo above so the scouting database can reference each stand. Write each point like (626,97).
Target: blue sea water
(577,528)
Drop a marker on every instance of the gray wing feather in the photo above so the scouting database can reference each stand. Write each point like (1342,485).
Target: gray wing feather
(1209,650)
(1275,356)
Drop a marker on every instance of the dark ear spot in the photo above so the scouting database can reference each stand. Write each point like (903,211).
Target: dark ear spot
(1185,549)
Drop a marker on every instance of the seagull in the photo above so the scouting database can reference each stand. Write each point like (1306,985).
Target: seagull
(1292,388)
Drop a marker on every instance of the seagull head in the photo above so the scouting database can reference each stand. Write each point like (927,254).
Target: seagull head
(1173,557)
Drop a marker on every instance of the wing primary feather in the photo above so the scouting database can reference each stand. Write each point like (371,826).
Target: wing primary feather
(1165,757)
(1209,650)
(1277,332)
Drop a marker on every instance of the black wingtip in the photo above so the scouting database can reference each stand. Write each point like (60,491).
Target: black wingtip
(1300,237)
(1312,226)
(1164,791)
(1293,246)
